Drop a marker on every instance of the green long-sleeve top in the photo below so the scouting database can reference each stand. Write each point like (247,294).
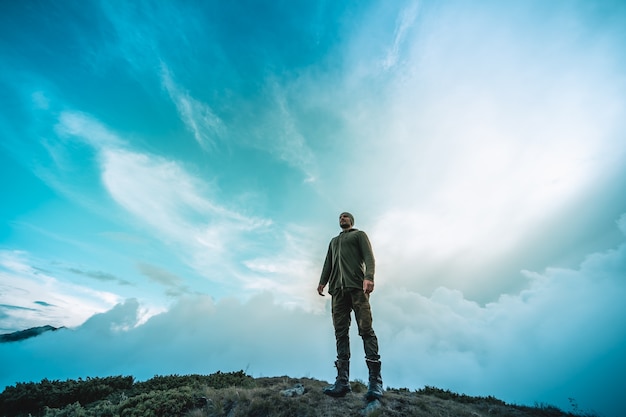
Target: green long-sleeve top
(348,262)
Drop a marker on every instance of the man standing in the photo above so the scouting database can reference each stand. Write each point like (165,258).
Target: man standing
(349,272)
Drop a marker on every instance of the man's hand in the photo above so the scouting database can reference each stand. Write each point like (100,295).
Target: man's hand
(320,289)
(368,286)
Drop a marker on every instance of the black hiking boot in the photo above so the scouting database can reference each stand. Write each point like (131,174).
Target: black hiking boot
(375,387)
(342,384)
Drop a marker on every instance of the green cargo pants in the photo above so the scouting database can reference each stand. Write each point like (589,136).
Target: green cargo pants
(344,302)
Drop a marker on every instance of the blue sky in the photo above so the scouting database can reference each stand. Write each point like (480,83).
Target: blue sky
(172,173)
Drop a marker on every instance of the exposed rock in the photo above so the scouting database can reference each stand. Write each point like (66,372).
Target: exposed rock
(371,407)
(296,391)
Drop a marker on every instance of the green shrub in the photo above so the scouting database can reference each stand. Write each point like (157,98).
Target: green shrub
(460,398)
(169,403)
(100,409)
(51,397)
(358,386)
(217,380)
(72,410)
(31,398)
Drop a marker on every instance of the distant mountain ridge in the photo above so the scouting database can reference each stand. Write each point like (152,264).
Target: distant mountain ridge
(27,334)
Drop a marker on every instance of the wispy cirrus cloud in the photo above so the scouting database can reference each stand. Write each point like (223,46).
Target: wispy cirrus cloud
(164,196)
(43,303)
(100,276)
(287,141)
(75,123)
(268,126)
(405,20)
(207,128)
(142,38)
(172,205)
(175,285)
(31,297)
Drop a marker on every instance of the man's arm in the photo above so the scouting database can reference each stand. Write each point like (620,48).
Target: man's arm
(325,272)
(368,256)
(320,289)
(370,264)
(368,286)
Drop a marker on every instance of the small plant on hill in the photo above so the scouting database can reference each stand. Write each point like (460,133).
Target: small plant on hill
(460,398)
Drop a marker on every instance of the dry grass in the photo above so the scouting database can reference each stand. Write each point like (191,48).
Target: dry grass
(265,399)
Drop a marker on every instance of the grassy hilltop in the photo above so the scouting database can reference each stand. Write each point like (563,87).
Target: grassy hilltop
(236,394)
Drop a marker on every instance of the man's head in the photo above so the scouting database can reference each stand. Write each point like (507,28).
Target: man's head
(346,220)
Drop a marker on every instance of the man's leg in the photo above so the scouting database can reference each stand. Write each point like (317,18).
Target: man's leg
(363,315)
(341,309)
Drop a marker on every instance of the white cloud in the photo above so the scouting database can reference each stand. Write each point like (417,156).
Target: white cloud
(206,126)
(527,338)
(292,271)
(274,130)
(32,297)
(406,19)
(80,124)
(259,336)
(485,137)
(167,202)
(286,140)
(162,276)
(155,190)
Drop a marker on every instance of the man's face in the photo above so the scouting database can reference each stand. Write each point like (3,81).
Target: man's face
(344,221)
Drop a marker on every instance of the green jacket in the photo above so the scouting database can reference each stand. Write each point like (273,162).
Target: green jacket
(348,262)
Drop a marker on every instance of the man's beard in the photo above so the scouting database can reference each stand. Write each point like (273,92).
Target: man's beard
(345,225)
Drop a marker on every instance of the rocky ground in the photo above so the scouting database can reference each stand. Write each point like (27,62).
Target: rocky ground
(303,397)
